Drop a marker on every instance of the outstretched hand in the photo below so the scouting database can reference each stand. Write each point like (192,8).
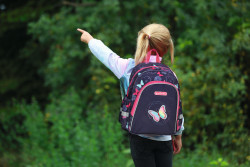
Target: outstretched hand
(85,37)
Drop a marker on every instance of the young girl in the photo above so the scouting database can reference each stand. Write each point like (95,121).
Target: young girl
(146,150)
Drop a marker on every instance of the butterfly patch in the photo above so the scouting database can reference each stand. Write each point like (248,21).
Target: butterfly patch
(136,92)
(159,74)
(141,84)
(161,114)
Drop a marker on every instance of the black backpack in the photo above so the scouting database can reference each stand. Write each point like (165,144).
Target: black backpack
(152,104)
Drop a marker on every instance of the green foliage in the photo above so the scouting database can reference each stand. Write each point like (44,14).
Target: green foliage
(19,76)
(200,157)
(213,85)
(16,15)
(79,125)
(219,162)
(70,134)
(11,123)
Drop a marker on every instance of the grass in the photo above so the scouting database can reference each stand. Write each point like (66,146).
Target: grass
(200,158)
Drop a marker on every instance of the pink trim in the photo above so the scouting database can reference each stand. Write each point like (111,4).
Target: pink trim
(135,75)
(153,82)
(178,127)
(159,93)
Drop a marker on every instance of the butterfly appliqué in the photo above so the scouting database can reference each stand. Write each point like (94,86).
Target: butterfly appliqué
(136,92)
(141,84)
(159,74)
(161,114)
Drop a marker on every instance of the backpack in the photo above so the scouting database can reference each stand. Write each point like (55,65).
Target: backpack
(152,104)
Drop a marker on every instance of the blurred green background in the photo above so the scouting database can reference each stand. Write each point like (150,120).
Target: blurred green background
(59,105)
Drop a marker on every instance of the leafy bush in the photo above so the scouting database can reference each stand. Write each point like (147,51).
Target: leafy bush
(11,128)
(70,134)
(79,125)
(200,157)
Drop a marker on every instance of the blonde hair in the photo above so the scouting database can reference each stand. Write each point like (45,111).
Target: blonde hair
(153,36)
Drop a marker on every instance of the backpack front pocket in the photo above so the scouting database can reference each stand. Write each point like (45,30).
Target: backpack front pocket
(155,109)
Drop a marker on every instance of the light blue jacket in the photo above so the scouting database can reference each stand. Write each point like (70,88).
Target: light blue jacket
(122,68)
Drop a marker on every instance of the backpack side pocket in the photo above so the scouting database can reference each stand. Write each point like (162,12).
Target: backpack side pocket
(124,115)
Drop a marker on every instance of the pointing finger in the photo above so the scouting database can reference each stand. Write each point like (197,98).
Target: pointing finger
(80,30)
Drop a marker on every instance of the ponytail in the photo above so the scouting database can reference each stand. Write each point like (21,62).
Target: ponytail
(142,47)
(153,36)
(171,49)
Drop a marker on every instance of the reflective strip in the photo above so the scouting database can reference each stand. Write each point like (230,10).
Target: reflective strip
(124,114)
(181,116)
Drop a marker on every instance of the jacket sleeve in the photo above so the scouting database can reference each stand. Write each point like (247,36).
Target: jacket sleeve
(110,59)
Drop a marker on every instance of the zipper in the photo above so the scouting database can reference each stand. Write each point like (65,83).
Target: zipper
(139,95)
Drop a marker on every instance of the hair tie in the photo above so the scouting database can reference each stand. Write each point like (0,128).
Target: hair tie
(145,35)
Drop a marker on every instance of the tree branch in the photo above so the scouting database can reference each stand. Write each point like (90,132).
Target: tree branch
(78,4)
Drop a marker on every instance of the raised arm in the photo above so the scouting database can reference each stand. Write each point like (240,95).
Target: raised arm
(111,60)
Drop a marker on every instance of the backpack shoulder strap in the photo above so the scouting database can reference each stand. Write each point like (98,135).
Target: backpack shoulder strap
(124,80)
